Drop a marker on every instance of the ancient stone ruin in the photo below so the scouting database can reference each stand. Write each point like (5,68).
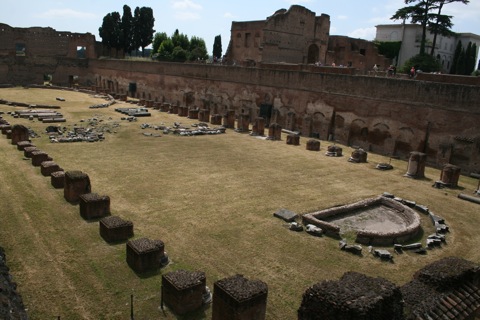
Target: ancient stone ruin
(38,157)
(293,139)
(358,156)
(238,298)
(115,229)
(48,167)
(258,128)
(21,145)
(145,254)
(76,184)
(183,291)
(229,119)
(313,145)
(354,296)
(27,151)
(11,302)
(19,133)
(275,132)
(334,151)
(450,175)
(93,206)
(446,289)
(57,179)
(216,119)
(398,223)
(416,165)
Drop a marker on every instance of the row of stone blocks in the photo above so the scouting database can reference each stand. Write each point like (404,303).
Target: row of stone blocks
(236,297)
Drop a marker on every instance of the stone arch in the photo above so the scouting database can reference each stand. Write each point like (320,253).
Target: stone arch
(377,137)
(318,119)
(403,142)
(313,54)
(358,135)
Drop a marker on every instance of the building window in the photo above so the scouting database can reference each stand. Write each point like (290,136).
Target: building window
(248,38)
(362,52)
(20,49)
(81,52)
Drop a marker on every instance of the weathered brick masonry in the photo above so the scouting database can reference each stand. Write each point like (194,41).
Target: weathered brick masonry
(389,116)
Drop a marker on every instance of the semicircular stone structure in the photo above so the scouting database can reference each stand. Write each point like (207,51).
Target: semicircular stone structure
(376,221)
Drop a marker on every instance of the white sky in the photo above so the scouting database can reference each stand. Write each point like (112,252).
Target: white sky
(208,18)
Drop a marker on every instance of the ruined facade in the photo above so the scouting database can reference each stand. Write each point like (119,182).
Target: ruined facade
(298,36)
(389,116)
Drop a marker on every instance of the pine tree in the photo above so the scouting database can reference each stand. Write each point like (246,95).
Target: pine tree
(217,47)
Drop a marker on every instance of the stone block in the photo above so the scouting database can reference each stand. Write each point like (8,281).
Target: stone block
(293,139)
(145,254)
(76,184)
(48,167)
(313,145)
(238,298)
(94,206)
(182,291)
(38,157)
(57,179)
(115,229)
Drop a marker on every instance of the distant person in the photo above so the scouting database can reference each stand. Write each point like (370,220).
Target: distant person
(375,69)
(412,72)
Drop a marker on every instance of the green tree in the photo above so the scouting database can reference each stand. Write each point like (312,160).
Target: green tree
(166,49)
(198,49)
(217,47)
(127,29)
(157,41)
(110,31)
(180,40)
(423,62)
(441,24)
(143,31)
(456,56)
(461,63)
(421,12)
(179,54)
(470,54)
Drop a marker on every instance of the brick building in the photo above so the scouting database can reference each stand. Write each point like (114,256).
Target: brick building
(298,36)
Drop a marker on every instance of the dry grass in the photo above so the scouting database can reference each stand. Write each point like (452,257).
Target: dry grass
(210,199)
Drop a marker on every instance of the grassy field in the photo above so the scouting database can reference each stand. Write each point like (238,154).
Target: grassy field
(211,200)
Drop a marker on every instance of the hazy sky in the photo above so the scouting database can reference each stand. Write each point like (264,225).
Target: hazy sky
(206,19)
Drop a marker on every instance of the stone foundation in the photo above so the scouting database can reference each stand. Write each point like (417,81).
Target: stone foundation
(27,151)
(243,123)
(275,131)
(354,296)
(216,119)
(93,206)
(58,179)
(48,167)
(293,139)
(450,175)
(313,145)
(229,119)
(19,133)
(76,184)
(182,291)
(182,111)
(258,128)
(334,151)
(358,156)
(193,113)
(115,229)
(204,115)
(38,157)
(144,254)
(21,145)
(237,298)
(416,165)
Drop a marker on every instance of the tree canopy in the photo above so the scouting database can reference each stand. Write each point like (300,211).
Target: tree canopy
(128,32)
(217,47)
(178,47)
